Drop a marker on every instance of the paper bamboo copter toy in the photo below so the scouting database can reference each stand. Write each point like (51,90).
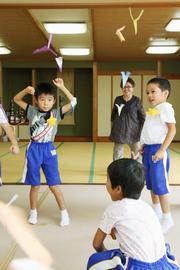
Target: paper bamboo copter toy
(14,222)
(134,20)
(119,34)
(47,48)
(125,75)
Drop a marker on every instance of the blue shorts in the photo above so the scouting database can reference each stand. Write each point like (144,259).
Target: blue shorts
(41,155)
(114,259)
(156,173)
(164,263)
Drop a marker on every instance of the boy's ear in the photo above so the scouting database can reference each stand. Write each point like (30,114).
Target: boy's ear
(166,93)
(120,192)
(119,189)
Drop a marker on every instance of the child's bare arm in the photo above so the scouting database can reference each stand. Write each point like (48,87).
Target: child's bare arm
(113,233)
(18,99)
(58,82)
(10,133)
(168,139)
(98,241)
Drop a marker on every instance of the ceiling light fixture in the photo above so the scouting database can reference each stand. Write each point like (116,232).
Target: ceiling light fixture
(74,51)
(4,50)
(162,49)
(173,25)
(65,27)
(163,41)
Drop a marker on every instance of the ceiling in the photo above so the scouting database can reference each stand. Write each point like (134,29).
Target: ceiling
(22,31)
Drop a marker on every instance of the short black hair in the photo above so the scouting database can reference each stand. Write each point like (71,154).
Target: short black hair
(163,84)
(129,174)
(45,88)
(129,80)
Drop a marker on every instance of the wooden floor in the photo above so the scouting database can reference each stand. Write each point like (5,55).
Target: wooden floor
(79,162)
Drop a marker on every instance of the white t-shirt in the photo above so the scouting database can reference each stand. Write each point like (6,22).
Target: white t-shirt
(155,129)
(138,230)
(3,118)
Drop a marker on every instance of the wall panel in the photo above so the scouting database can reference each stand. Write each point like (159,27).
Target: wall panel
(104,105)
(174,99)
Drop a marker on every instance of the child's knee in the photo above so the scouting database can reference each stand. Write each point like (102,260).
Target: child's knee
(35,188)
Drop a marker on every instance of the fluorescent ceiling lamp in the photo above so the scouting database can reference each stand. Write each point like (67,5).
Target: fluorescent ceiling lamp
(163,41)
(65,28)
(173,25)
(74,51)
(162,49)
(4,50)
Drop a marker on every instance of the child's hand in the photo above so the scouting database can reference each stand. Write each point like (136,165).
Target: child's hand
(58,82)
(113,233)
(30,90)
(158,155)
(139,153)
(135,156)
(14,149)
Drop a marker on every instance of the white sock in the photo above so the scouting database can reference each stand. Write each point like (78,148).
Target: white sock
(157,210)
(33,216)
(64,218)
(166,222)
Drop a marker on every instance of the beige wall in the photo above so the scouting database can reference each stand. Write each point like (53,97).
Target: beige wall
(104,105)
(1,81)
(174,99)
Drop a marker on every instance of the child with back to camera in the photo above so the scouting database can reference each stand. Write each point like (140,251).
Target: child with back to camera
(157,134)
(43,121)
(132,221)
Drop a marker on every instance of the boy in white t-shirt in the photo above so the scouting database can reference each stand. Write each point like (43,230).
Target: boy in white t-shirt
(157,134)
(132,222)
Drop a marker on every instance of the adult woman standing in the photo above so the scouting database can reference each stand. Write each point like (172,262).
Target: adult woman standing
(127,120)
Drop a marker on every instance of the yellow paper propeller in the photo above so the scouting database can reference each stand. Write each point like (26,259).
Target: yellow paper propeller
(153,112)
